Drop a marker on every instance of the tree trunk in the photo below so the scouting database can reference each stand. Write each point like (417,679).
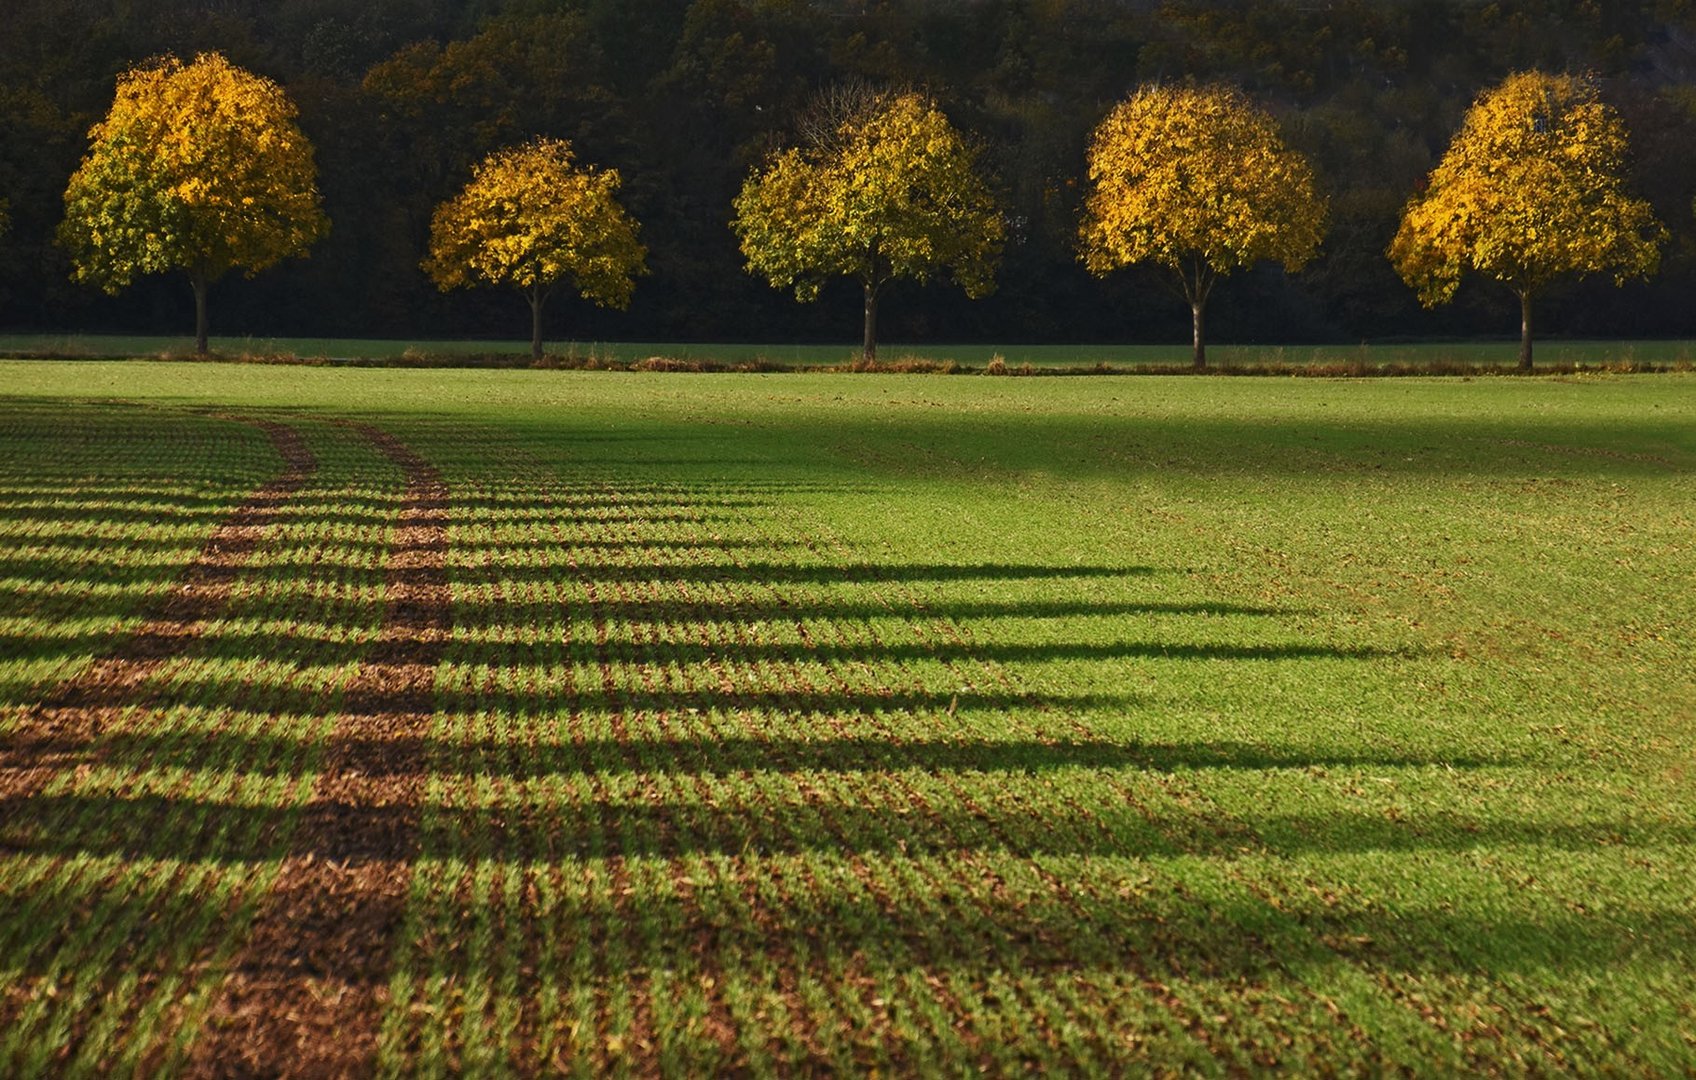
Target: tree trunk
(1198,312)
(868,350)
(1525,330)
(200,333)
(536,324)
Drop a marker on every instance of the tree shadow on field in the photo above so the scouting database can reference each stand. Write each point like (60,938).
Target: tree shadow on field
(1132,910)
(283,754)
(886,730)
(632,826)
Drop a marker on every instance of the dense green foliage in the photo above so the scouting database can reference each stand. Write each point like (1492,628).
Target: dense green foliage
(1168,724)
(683,97)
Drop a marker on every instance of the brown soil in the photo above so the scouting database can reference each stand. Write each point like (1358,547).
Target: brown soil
(55,734)
(305,995)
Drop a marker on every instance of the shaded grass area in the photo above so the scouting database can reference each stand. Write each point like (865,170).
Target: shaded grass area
(791,725)
(1390,358)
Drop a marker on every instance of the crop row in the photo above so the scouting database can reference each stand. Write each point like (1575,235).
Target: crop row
(699,784)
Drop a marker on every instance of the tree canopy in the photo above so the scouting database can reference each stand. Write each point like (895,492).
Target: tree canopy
(1531,190)
(400,99)
(197,167)
(532,218)
(1196,180)
(886,190)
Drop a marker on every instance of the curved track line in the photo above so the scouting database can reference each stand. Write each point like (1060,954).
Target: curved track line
(56,731)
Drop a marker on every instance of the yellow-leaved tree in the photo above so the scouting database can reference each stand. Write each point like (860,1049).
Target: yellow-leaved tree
(1531,190)
(199,168)
(886,190)
(1199,181)
(530,218)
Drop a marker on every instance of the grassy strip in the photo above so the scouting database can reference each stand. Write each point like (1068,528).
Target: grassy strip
(1467,359)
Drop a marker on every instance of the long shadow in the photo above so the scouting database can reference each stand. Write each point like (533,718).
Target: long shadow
(569,503)
(116,515)
(1487,443)
(622,516)
(769,608)
(599,484)
(276,754)
(667,546)
(44,569)
(797,573)
(1047,936)
(98,546)
(283,571)
(231,645)
(153,827)
(196,690)
(683,653)
(360,512)
(471,614)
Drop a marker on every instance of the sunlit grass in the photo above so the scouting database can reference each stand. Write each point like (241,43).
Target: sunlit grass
(801,722)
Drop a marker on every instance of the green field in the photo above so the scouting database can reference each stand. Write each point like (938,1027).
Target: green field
(1503,353)
(427,722)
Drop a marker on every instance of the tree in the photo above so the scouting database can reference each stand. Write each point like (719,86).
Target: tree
(1530,191)
(199,168)
(531,218)
(1196,180)
(886,189)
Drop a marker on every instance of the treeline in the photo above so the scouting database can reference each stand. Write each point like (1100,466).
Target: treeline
(684,97)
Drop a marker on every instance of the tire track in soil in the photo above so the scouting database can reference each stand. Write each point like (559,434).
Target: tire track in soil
(54,734)
(305,995)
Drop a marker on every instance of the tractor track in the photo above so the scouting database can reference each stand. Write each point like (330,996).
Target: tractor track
(305,995)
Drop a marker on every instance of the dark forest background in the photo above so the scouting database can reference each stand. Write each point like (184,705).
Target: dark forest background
(400,97)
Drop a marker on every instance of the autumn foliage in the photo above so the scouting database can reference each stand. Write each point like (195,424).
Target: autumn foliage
(1199,181)
(199,168)
(890,191)
(1531,190)
(532,218)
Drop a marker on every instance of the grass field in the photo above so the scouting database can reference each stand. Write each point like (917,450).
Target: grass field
(1502,353)
(422,722)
